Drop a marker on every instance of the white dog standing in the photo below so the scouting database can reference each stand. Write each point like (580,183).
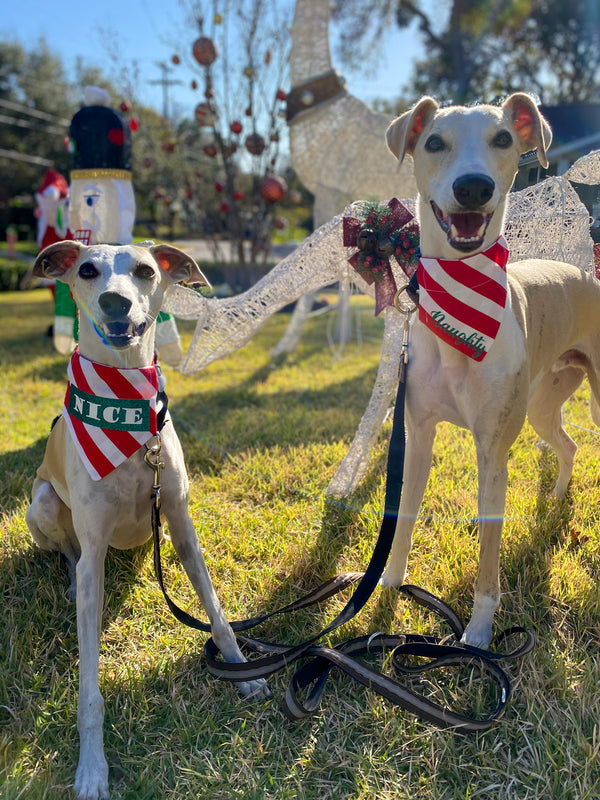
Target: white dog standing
(530,363)
(94,487)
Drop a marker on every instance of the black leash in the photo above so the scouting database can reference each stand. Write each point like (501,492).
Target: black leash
(311,678)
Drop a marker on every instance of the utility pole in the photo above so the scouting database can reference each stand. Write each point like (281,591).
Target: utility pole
(165,82)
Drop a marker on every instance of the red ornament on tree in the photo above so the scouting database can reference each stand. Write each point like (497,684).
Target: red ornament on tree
(204,51)
(255,144)
(236,126)
(273,189)
(210,149)
(204,114)
(134,124)
(124,107)
(237,195)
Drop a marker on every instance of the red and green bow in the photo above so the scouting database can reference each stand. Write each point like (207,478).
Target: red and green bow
(385,230)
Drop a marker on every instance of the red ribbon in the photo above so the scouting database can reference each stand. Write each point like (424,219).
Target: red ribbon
(375,267)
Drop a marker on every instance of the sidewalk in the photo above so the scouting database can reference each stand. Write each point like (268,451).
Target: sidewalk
(203,250)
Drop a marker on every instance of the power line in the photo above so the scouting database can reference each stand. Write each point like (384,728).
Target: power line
(26,123)
(34,112)
(37,160)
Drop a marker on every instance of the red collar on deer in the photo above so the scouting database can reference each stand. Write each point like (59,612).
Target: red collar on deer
(462,301)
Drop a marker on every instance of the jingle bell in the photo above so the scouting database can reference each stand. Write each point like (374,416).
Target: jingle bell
(385,247)
(366,240)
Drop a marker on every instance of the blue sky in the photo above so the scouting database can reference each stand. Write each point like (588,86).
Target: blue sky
(145,30)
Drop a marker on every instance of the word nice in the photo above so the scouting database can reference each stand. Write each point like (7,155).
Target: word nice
(109,412)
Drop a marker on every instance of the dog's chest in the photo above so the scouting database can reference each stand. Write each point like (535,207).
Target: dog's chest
(446,385)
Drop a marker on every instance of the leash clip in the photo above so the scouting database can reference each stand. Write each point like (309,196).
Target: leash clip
(408,310)
(152,458)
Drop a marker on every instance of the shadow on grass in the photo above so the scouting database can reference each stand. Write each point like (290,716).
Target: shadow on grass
(235,420)
(18,469)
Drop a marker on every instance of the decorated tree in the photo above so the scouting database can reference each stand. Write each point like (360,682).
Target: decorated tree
(238,60)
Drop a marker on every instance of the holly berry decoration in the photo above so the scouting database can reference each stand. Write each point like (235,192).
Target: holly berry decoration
(272,189)
(204,51)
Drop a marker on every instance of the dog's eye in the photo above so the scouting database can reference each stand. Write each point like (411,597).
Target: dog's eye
(87,271)
(434,143)
(502,139)
(144,272)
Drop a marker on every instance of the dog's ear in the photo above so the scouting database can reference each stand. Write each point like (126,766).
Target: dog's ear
(178,266)
(404,131)
(530,126)
(56,260)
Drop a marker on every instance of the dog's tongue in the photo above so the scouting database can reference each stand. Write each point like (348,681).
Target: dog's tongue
(466,225)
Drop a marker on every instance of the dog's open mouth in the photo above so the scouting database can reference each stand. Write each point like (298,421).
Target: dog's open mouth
(121,334)
(465,229)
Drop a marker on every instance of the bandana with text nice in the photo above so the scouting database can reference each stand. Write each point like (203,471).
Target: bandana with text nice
(110,412)
(463,301)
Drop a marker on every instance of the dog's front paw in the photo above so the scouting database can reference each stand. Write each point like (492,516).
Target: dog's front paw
(478,634)
(255,690)
(392,576)
(91,781)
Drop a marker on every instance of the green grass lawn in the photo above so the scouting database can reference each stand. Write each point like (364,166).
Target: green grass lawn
(261,444)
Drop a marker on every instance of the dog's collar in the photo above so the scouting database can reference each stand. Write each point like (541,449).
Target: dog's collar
(111,412)
(463,300)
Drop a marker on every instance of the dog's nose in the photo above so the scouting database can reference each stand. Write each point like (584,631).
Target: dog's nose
(114,305)
(473,191)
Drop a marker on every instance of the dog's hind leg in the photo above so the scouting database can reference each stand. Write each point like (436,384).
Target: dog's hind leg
(545,413)
(51,526)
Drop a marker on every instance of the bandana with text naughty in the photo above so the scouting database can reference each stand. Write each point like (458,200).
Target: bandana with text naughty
(110,412)
(463,301)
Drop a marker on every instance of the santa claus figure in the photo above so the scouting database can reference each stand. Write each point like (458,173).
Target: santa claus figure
(52,214)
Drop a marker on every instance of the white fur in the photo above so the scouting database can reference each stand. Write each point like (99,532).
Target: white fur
(115,510)
(548,340)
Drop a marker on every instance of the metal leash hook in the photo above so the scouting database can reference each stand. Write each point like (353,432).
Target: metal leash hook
(152,458)
(408,310)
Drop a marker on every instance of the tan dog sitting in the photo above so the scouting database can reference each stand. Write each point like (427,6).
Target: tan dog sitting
(490,345)
(94,488)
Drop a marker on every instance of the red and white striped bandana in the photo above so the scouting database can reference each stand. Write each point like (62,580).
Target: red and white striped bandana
(463,301)
(110,412)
